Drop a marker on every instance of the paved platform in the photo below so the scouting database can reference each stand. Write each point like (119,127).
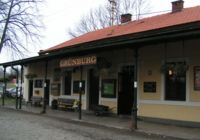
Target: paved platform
(120,122)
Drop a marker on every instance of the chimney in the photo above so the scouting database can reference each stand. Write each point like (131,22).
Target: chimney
(126,18)
(177,6)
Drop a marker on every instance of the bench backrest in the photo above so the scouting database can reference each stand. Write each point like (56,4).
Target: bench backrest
(64,100)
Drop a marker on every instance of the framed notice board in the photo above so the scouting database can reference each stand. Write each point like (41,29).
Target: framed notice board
(108,88)
(149,87)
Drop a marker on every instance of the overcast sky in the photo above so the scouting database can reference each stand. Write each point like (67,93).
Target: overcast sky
(59,15)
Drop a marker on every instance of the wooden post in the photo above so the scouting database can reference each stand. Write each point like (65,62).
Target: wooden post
(80,92)
(4,85)
(20,97)
(134,110)
(17,83)
(45,86)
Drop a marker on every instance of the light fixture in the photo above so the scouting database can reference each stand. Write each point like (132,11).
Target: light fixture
(170,72)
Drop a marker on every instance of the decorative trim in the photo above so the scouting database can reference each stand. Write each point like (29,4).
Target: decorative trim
(179,103)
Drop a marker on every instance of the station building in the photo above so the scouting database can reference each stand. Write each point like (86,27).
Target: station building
(154,61)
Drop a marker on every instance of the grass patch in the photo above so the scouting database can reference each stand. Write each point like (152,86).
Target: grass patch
(9,101)
(11,85)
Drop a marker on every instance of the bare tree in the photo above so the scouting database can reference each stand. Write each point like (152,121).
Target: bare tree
(19,25)
(109,14)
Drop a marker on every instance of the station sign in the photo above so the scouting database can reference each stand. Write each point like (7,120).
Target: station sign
(78,61)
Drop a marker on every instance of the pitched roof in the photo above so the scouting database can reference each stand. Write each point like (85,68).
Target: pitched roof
(187,15)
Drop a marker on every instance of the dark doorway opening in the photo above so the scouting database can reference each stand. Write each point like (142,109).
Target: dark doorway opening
(47,91)
(67,83)
(30,90)
(125,90)
(93,89)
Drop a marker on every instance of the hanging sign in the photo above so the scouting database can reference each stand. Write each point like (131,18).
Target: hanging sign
(79,61)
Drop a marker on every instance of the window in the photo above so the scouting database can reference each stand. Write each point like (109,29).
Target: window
(109,88)
(175,81)
(38,84)
(67,83)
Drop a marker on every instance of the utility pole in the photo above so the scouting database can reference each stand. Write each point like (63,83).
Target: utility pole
(135,109)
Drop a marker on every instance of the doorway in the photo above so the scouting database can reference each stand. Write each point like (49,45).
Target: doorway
(46,91)
(93,89)
(30,90)
(125,90)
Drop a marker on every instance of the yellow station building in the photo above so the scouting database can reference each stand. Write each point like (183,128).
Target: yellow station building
(154,61)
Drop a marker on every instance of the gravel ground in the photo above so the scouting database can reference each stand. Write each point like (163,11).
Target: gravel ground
(17,125)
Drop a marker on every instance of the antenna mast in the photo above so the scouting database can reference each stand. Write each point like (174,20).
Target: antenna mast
(113,4)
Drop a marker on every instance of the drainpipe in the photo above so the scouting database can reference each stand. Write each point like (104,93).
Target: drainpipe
(80,92)
(17,83)
(20,97)
(45,88)
(134,109)
(4,85)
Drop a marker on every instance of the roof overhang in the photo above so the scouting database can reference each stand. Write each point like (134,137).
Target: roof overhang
(191,30)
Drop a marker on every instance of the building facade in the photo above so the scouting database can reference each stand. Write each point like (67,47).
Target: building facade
(154,61)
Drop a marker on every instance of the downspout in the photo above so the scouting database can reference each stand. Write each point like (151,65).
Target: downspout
(20,97)
(4,85)
(135,109)
(45,88)
(17,83)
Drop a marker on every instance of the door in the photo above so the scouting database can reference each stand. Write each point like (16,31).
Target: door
(125,90)
(93,89)
(30,90)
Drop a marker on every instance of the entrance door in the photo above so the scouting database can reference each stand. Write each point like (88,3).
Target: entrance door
(125,90)
(47,91)
(94,89)
(30,90)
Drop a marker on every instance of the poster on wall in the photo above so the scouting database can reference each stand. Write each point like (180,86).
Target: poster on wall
(149,87)
(109,88)
(197,78)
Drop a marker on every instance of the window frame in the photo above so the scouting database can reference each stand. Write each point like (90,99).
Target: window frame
(166,88)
